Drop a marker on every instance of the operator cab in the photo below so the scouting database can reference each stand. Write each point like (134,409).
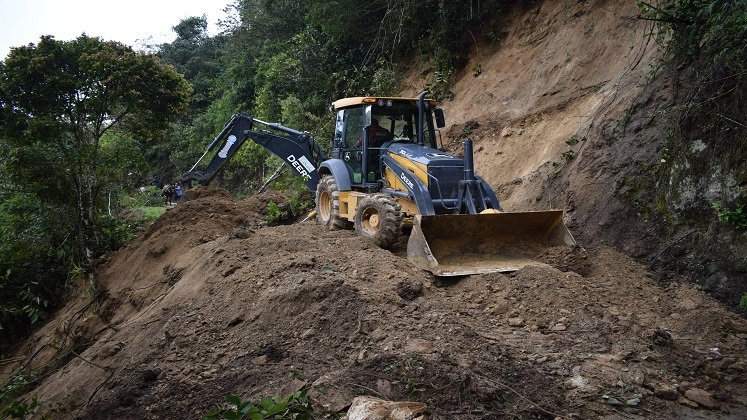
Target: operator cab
(366,126)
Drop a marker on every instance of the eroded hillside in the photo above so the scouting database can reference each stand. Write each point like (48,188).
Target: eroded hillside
(572,107)
(546,110)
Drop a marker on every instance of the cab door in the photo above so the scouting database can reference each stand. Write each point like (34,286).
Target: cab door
(351,139)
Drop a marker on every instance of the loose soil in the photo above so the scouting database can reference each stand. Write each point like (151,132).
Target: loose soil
(211,301)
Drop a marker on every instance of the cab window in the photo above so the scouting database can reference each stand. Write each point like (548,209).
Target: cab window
(353,118)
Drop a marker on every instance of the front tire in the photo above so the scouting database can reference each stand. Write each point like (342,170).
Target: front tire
(378,218)
(328,205)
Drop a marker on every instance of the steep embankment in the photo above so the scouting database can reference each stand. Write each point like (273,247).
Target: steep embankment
(211,301)
(573,107)
(547,111)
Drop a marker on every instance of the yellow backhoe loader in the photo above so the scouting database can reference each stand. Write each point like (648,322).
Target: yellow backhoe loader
(388,174)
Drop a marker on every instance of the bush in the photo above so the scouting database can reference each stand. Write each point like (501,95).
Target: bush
(288,212)
(36,258)
(743,302)
(735,218)
(295,405)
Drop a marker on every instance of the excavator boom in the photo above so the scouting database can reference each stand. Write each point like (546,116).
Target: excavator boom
(297,149)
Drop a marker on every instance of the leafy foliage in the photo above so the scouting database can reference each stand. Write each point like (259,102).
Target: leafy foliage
(34,242)
(60,99)
(736,218)
(36,409)
(712,29)
(286,61)
(74,119)
(295,405)
(706,42)
(289,211)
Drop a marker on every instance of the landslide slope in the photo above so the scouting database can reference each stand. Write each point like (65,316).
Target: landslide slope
(210,301)
(564,108)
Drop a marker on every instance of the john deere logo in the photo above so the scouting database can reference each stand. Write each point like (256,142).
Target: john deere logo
(407,181)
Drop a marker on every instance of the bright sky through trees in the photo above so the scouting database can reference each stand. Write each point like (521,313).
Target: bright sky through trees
(133,22)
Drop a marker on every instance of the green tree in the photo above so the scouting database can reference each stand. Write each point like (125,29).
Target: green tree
(59,99)
(286,61)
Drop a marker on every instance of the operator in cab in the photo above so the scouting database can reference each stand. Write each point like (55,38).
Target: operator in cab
(377,135)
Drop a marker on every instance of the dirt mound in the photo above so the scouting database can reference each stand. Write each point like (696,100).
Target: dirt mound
(210,301)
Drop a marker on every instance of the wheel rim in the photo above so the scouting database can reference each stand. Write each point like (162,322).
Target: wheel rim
(370,221)
(325,206)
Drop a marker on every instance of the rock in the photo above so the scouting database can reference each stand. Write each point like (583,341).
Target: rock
(662,338)
(702,397)
(308,334)
(418,345)
(516,321)
(384,387)
(111,349)
(688,304)
(684,401)
(500,307)
(633,401)
(378,334)
(293,386)
(409,290)
(369,408)
(507,132)
(558,327)
(464,361)
(577,381)
(612,400)
(240,233)
(259,360)
(331,392)
(230,271)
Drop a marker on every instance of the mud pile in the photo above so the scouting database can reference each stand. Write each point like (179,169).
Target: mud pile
(211,301)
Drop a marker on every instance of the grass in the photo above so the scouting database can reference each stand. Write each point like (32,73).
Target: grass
(152,213)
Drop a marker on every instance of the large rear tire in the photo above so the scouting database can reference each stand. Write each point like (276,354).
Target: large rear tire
(379,219)
(328,205)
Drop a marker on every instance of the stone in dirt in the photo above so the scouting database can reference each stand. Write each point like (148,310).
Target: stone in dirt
(409,290)
(369,408)
(666,392)
(516,322)
(702,397)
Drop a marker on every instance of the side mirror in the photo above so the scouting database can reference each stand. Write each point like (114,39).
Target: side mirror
(440,120)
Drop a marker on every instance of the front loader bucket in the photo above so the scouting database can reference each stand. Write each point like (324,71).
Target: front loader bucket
(461,244)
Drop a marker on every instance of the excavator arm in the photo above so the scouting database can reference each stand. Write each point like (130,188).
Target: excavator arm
(297,149)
